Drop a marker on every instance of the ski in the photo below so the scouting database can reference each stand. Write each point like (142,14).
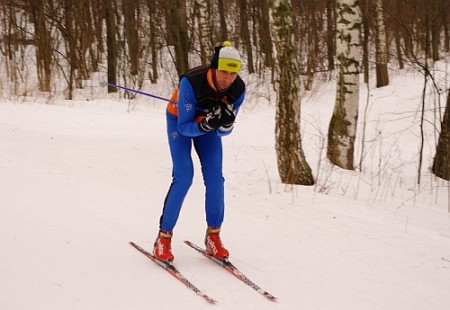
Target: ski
(170,268)
(227,265)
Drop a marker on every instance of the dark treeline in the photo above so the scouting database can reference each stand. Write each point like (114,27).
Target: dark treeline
(131,41)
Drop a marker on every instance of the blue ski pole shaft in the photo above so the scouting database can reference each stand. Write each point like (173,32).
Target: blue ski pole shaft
(139,92)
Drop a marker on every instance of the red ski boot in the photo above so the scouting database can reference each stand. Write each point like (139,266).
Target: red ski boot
(163,248)
(213,243)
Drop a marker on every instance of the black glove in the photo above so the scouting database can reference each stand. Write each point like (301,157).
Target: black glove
(212,120)
(228,116)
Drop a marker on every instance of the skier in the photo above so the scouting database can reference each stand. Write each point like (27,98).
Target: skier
(208,100)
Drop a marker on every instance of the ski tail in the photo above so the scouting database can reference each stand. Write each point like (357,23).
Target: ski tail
(227,265)
(171,269)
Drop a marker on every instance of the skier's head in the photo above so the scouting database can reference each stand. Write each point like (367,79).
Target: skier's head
(226,58)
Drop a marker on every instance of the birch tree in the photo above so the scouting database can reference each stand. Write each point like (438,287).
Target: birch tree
(365,27)
(343,124)
(202,12)
(292,165)
(380,46)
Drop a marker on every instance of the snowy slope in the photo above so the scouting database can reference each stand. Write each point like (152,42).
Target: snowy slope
(81,179)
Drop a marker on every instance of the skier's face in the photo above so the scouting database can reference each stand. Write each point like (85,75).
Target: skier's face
(225,78)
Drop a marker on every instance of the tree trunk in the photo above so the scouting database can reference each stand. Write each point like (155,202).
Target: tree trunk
(264,35)
(365,11)
(435,28)
(445,7)
(153,24)
(343,124)
(111,44)
(131,34)
(69,36)
(10,45)
(397,35)
(177,33)
(441,164)
(292,165)
(245,35)
(381,46)
(43,43)
(204,29)
(313,45)
(331,20)
(223,34)
(96,53)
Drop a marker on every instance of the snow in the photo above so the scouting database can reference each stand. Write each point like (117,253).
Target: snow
(80,179)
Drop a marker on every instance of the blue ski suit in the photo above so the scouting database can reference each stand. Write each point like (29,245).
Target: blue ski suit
(195,95)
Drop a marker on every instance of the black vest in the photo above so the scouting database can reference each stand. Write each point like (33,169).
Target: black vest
(206,96)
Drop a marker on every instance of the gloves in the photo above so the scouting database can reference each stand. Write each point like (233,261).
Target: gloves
(212,120)
(221,116)
(228,116)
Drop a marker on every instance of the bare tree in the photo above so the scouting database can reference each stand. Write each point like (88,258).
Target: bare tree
(312,37)
(67,24)
(223,33)
(265,41)
(331,42)
(441,164)
(131,31)
(153,22)
(292,165)
(434,26)
(343,124)
(111,42)
(444,9)
(43,43)
(245,35)
(176,27)
(397,36)
(97,46)
(10,45)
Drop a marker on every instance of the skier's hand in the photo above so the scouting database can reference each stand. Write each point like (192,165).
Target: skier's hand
(228,116)
(212,120)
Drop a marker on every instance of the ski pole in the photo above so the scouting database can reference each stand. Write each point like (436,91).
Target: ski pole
(137,91)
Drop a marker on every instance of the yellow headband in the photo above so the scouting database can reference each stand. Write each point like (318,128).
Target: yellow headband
(228,64)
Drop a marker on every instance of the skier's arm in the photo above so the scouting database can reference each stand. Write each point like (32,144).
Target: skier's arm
(187,103)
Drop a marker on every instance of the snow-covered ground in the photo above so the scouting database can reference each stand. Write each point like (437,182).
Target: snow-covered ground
(81,179)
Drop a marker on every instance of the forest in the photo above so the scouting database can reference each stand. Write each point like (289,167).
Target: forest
(50,48)
(337,173)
